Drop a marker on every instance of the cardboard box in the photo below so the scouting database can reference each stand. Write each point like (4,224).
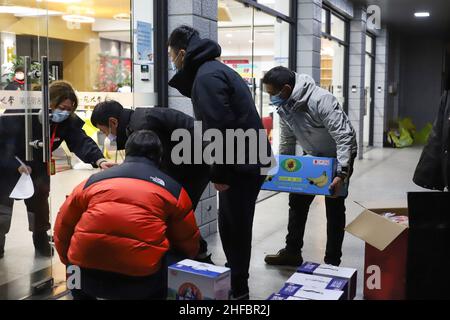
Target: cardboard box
(325,270)
(277,296)
(302,280)
(385,253)
(306,175)
(318,294)
(192,280)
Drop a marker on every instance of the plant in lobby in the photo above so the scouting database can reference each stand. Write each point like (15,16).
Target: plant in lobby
(113,73)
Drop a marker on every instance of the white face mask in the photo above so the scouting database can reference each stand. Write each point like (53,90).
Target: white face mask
(20,76)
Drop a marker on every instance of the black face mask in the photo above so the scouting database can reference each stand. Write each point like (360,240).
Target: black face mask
(121,142)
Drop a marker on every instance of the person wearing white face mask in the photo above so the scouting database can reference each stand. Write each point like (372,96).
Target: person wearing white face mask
(65,126)
(18,82)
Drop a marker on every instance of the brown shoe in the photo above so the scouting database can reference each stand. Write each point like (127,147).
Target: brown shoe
(284,258)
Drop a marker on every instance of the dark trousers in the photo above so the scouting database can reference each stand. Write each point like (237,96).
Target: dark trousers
(195,184)
(96,284)
(236,212)
(37,206)
(298,214)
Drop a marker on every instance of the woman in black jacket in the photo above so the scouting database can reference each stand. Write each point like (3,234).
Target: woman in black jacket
(65,126)
(433,170)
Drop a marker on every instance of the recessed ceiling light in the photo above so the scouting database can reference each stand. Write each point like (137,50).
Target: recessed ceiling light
(422,14)
(78,18)
(229,35)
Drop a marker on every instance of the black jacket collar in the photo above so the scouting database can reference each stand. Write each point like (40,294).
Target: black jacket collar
(198,52)
(141,160)
(124,121)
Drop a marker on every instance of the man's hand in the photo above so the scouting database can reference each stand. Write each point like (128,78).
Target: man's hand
(24,169)
(107,165)
(336,187)
(221,187)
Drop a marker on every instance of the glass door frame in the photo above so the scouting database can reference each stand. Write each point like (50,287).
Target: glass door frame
(291,19)
(346,43)
(372,88)
(40,280)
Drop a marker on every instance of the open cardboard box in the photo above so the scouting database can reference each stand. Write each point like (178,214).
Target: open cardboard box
(385,252)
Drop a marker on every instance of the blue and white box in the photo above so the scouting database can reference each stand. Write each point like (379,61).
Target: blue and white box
(306,175)
(193,280)
(300,281)
(325,270)
(277,296)
(307,293)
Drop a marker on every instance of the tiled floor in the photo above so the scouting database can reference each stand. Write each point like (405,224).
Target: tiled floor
(383,178)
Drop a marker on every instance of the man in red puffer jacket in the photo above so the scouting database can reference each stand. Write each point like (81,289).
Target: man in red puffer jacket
(119,225)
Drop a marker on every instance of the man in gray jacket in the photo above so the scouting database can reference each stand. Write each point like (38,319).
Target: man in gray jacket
(312,117)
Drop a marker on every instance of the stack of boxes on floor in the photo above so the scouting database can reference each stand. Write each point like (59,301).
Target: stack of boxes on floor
(313,281)
(206,212)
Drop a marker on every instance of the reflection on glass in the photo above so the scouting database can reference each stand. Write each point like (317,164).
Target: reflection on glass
(369,44)
(332,68)
(91,47)
(337,27)
(24,216)
(282,6)
(324,20)
(252,50)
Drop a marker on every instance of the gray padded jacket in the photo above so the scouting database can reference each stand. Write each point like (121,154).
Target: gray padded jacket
(314,118)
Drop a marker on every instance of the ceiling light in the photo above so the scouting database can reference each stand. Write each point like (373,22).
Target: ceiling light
(20,11)
(422,14)
(229,35)
(122,17)
(60,1)
(78,18)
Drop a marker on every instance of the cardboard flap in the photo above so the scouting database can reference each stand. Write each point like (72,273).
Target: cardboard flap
(374,229)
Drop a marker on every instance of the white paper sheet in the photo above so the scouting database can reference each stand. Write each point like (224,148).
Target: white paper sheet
(24,188)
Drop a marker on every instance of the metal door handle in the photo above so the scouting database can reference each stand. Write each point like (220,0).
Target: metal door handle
(28,112)
(45,114)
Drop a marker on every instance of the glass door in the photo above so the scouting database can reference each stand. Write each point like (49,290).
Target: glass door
(369,91)
(25,215)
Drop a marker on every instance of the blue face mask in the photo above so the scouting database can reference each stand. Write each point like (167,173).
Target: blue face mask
(59,116)
(277,100)
(173,64)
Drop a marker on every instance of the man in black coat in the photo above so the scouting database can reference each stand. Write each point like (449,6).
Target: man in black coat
(222,100)
(119,123)
(433,170)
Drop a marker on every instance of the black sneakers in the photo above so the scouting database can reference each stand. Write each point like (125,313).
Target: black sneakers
(284,258)
(205,259)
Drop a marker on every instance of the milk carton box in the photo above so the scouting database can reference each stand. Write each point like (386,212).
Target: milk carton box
(301,280)
(277,296)
(193,280)
(325,270)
